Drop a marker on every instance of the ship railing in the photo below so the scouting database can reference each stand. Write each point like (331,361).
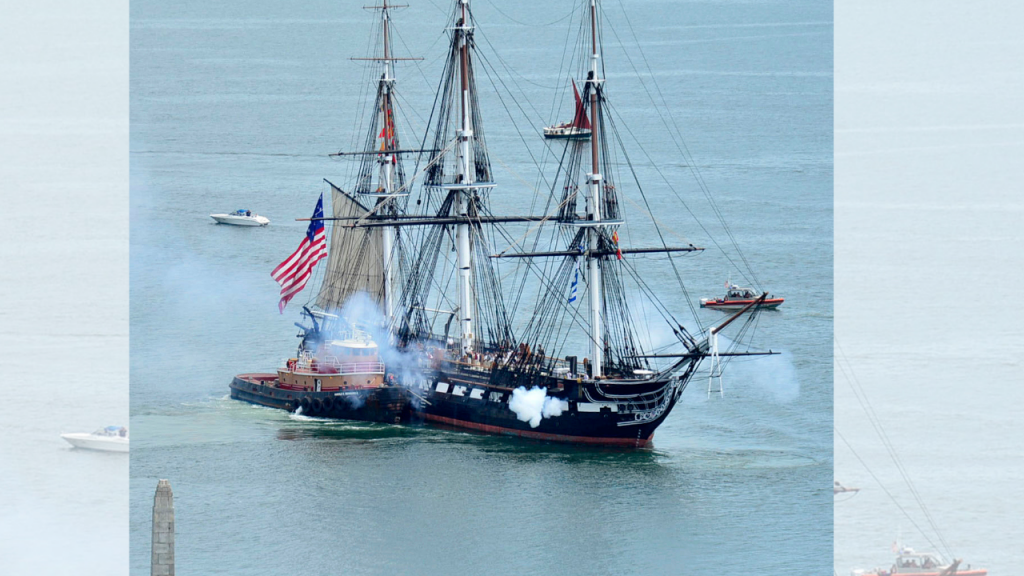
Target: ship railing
(331,365)
(545,366)
(643,405)
(633,403)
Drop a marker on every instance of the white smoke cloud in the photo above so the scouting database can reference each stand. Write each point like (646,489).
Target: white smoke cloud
(361,312)
(534,404)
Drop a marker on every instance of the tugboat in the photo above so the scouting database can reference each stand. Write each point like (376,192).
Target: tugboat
(578,129)
(736,298)
(922,564)
(336,378)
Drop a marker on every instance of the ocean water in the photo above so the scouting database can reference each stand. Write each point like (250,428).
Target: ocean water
(928,231)
(238,104)
(64,286)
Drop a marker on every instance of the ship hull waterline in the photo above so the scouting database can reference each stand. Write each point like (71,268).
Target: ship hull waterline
(468,401)
(567,136)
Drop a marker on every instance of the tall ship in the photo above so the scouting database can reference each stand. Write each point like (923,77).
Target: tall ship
(536,325)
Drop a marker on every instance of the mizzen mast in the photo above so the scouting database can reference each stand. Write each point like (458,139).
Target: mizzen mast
(387,168)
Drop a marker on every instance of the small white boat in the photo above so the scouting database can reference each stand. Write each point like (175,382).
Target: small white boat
(109,439)
(241,218)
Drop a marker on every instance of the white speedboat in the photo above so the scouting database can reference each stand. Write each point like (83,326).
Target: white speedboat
(241,218)
(109,439)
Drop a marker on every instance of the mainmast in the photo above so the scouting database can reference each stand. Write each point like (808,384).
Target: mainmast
(594,205)
(463,188)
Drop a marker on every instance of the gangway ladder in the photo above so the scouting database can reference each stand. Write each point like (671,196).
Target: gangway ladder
(716,367)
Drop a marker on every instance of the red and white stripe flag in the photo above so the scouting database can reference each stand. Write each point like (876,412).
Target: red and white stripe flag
(294,272)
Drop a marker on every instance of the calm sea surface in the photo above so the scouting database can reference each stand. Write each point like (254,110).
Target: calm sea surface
(64,286)
(929,135)
(237,104)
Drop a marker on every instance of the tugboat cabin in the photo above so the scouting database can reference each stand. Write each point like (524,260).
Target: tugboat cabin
(334,365)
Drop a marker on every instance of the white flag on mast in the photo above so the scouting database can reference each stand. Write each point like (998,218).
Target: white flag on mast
(575,282)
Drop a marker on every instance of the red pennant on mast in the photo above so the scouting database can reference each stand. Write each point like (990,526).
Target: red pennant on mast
(387,133)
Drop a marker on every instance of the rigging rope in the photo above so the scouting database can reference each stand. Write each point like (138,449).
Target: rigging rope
(683,149)
(876,423)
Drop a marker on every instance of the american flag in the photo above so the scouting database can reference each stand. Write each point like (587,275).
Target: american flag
(294,272)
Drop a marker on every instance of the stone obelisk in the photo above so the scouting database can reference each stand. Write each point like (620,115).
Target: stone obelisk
(163,531)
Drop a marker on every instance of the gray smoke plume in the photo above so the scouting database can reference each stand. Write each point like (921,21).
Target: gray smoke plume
(774,377)
(362,313)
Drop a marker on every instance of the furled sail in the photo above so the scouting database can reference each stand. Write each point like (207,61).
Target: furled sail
(356,259)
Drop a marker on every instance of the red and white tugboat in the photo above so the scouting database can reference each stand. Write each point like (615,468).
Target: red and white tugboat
(330,379)
(909,561)
(736,298)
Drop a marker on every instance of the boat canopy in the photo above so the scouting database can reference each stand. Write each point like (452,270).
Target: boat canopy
(910,559)
(737,292)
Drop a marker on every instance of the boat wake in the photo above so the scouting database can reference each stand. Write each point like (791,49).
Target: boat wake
(300,417)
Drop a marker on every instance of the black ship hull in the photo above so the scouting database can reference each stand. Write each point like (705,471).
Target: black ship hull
(592,412)
(389,404)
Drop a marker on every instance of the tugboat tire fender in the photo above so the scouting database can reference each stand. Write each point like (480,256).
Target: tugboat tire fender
(328,404)
(318,405)
(304,404)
